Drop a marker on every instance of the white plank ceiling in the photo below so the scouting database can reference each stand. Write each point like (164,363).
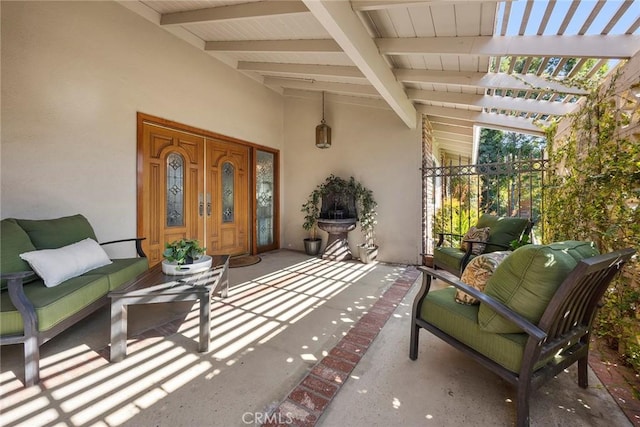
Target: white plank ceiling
(498,64)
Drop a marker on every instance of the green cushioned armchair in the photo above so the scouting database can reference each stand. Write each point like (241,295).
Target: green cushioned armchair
(534,317)
(503,230)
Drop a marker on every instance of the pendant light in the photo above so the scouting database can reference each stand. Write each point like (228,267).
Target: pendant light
(323,131)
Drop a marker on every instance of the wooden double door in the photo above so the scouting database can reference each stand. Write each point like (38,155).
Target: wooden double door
(192,186)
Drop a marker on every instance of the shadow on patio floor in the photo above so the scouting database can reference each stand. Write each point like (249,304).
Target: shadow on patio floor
(283,319)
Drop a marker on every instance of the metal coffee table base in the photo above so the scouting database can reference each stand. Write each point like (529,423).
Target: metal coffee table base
(199,287)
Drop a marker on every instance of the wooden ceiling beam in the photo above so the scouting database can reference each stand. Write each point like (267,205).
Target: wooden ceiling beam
(586,46)
(274,46)
(310,84)
(346,28)
(484,80)
(497,102)
(452,130)
(301,69)
(233,12)
(371,5)
(497,121)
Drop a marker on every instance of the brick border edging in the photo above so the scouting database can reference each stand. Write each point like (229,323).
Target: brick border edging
(306,403)
(617,381)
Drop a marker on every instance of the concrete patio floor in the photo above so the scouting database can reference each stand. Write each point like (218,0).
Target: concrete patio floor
(288,322)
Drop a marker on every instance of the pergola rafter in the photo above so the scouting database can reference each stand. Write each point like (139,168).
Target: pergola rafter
(500,63)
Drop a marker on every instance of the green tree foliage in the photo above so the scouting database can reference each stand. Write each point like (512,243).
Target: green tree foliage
(466,196)
(501,193)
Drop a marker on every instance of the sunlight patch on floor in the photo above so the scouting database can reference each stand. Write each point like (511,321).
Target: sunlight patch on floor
(90,390)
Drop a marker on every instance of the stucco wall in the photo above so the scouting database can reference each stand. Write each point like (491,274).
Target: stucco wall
(75,74)
(375,147)
(73,77)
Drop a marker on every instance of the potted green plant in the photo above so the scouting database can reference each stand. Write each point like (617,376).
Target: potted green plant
(311,211)
(311,208)
(365,207)
(183,251)
(368,251)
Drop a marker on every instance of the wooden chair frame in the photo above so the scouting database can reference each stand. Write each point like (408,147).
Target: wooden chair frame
(565,325)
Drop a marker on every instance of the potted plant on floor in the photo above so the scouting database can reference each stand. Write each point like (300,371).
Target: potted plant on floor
(311,211)
(368,251)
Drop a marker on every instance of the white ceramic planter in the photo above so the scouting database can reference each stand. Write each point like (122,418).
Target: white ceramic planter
(199,265)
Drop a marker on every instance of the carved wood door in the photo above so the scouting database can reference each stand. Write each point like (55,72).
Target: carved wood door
(170,188)
(228,213)
(193,187)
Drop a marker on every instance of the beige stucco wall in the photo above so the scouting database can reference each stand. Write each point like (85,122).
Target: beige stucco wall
(73,77)
(75,74)
(375,147)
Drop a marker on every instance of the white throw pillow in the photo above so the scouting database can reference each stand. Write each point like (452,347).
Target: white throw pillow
(55,266)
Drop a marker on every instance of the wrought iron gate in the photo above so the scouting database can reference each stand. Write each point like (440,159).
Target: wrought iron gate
(454,196)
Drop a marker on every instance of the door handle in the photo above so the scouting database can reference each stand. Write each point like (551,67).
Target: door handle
(200,204)
(208,204)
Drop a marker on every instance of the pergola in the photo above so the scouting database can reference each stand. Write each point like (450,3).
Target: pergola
(462,64)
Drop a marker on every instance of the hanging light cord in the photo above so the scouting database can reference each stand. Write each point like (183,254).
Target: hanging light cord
(322,107)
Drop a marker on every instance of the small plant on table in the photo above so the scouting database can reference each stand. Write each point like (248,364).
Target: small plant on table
(183,251)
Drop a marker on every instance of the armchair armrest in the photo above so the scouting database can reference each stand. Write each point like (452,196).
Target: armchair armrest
(138,241)
(15,284)
(504,311)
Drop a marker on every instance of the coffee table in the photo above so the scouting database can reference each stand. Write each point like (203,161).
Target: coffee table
(153,286)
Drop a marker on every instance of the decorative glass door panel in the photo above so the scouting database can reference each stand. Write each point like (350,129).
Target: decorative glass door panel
(175,190)
(264,197)
(265,168)
(228,189)
(171,188)
(228,193)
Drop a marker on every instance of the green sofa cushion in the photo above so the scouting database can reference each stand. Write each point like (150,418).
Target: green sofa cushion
(503,231)
(14,242)
(461,322)
(527,280)
(451,257)
(58,232)
(53,304)
(121,271)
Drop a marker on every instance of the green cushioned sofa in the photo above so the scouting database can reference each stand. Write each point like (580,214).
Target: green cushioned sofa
(533,319)
(32,313)
(503,230)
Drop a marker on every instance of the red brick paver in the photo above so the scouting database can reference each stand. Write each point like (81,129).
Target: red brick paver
(305,404)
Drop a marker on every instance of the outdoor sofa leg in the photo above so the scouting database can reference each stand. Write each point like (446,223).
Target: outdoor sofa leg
(415,315)
(31,361)
(413,343)
(583,377)
(522,406)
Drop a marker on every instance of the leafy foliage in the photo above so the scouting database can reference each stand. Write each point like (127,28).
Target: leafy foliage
(311,209)
(179,251)
(502,147)
(454,217)
(365,205)
(593,195)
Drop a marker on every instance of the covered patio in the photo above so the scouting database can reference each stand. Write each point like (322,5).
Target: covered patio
(283,353)
(405,85)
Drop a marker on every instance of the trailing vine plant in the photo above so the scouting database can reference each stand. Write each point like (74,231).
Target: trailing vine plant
(593,194)
(365,205)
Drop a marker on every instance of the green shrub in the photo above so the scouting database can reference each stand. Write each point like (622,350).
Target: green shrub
(592,194)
